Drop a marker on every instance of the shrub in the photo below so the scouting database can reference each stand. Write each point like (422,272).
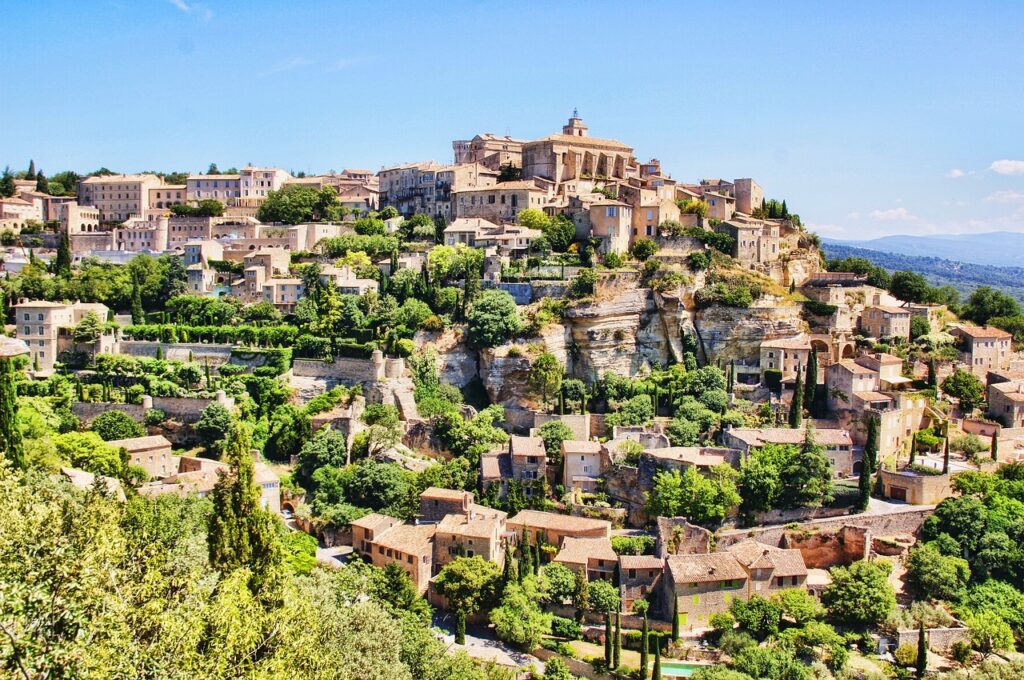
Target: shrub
(699,260)
(584,284)
(819,308)
(633,545)
(643,248)
(155,416)
(906,655)
(566,628)
(612,260)
(969,443)
(112,425)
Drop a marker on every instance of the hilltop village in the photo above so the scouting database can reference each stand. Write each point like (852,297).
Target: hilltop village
(543,411)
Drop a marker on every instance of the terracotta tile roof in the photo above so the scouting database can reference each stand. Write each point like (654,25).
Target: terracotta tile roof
(582,141)
(413,539)
(479,526)
(141,443)
(784,435)
(891,310)
(693,455)
(640,562)
(705,568)
(495,466)
(872,396)
(537,519)
(571,446)
(796,342)
(527,446)
(446,494)
(976,332)
(783,561)
(853,367)
(580,550)
(375,522)
(1013,391)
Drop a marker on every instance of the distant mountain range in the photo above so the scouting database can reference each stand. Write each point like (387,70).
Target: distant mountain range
(998,248)
(962,275)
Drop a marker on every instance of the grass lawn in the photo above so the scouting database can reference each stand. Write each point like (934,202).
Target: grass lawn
(587,649)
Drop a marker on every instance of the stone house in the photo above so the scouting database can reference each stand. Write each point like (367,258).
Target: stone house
(435,503)
(983,348)
(720,206)
(367,528)
(499,203)
(480,531)
(592,557)
(786,355)
(701,585)
(409,545)
(152,454)
(837,443)
(639,576)
(551,528)
(1006,402)
(769,569)
(886,322)
(915,488)
(44,328)
(528,458)
(573,155)
(611,222)
(582,464)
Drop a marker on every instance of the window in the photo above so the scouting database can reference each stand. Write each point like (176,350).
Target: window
(611,211)
(39,317)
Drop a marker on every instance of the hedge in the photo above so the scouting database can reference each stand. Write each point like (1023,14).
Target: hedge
(260,336)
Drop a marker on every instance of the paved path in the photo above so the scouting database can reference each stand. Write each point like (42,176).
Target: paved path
(481,644)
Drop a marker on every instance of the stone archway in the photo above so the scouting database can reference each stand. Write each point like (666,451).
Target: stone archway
(848,351)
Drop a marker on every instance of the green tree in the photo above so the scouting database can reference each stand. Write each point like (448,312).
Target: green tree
(111,425)
(62,265)
(703,500)
(867,469)
(811,383)
(909,287)
(469,584)
(643,248)
(986,303)
(796,406)
(758,616)
(860,595)
(966,387)
(617,642)
(213,427)
(799,605)
(559,582)
(493,319)
(932,575)
(602,596)
(921,665)
(640,607)
(11,443)
(519,619)
(553,433)
(545,376)
(989,633)
(242,534)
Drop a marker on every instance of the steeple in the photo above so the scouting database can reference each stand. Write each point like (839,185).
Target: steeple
(575,127)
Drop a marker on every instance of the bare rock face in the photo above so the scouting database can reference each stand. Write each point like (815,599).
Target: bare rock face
(622,334)
(456,360)
(728,333)
(506,377)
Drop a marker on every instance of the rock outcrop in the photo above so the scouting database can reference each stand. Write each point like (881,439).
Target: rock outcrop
(727,333)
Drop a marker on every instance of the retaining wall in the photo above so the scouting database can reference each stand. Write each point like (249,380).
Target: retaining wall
(343,369)
(903,521)
(217,354)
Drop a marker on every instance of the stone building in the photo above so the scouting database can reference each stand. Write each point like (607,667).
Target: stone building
(118,197)
(886,322)
(550,528)
(500,202)
(477,532)
(786,355)
(837,443)
(611,222)
(701,585)
(639,575)
(592,557)
(574,155)
(436,503)
(153,454)
(983,348)
(491,151)
(915,488)
(40,324)
(582,464)
(1006,402)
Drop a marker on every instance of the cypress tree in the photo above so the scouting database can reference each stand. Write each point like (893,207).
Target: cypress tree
(460,627)
(945,456)
(536,558)
(796,407)
(159,352)
(608,658)
(617,643)
(241,533)
(870,463)
(31,169)
(63,261)
(932,377)
(644,647)
(731,382)
(994,447)
(10,433)
(675,619)
(922,651)
(507,576)
(657,660)
(811,383)
(138,315)
(42,186)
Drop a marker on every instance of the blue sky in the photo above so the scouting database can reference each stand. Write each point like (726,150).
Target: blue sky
(869,118)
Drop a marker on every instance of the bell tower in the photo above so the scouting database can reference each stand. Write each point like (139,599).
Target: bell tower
(575,127)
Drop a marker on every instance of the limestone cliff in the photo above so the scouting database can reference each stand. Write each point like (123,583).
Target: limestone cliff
(727,333)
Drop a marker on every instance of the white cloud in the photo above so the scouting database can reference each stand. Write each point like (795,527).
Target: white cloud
(853,216)
(1007,167)
(287,65)
(1005,197)
(345,63)
(197,9)
(892,215)
(955,173)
